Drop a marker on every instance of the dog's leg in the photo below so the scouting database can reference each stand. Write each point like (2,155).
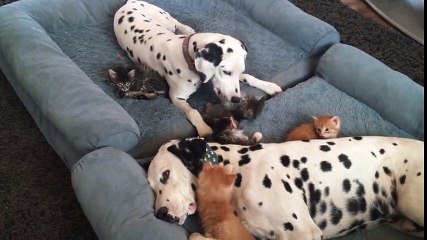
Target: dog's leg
(268,87)
(193,116)
(409,227)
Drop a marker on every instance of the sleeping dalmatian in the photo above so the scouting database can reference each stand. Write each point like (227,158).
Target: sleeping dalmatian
(185,60)
(301,189)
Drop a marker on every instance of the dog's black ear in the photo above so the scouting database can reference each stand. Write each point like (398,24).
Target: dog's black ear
(212,53)
(243,45)
(191,153)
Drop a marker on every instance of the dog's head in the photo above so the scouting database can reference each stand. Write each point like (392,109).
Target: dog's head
(172,176)
(223,61)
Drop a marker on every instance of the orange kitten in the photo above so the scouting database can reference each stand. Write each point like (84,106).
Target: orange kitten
(215,210)
(322,127)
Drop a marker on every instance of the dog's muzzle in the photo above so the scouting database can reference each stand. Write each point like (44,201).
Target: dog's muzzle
(163,214)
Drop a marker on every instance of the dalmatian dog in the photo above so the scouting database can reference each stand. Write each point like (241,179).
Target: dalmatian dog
(185,60)
(301,189)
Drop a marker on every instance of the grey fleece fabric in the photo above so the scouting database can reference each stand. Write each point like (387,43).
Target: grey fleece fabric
(159,120)
(316,97)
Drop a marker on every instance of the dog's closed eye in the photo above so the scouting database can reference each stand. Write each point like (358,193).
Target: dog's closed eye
(165,176)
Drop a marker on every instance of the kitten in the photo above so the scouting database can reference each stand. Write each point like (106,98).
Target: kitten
(248,108)
(227,130)
(322,127)
(225,122)
(124,78)
(214,190)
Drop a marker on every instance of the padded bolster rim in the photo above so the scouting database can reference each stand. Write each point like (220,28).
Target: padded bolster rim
(396,97)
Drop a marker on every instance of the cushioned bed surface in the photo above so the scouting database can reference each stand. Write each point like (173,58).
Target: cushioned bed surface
(94,49)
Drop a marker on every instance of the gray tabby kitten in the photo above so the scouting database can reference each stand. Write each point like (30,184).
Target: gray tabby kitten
(148,86)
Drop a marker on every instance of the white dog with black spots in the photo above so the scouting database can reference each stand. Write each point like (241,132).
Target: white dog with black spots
(301,189)
(185,60)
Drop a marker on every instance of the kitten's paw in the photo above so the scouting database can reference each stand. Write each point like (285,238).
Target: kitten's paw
(198,236)
(204,130)
(256,137)
(186,30)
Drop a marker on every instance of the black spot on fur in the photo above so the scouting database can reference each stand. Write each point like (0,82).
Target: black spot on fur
(193,187)
(373,154)
(226,162)
(158,55)
(225,148)
(139,60)
(178,70)
(164,57)
(160,192)
(375,187)
(288,226)
(238,180)
(298,183)
(336,214)
(402,179)
(130,19)
(325,148)
(356,205)
(266,181)
(325,166)
(387,171)
(222,41)
(418,174)
(346,185)
(303,160)
(287,186)
(304,174)
(151,48)
(395,144)
(285,160)
(323,224)
(294,216)
(212,53)
(229,50)
(121,20)
(220,158)
(394,197)
(296,163)
(244,160)
(170,73)
(326,191)
(377,174)
(405,161)
(255,147)
(344,159)
(378,210)
(323,207)
(260,204)
(158,34)
(382,151)
(306,141)
(243,150)
(357,138)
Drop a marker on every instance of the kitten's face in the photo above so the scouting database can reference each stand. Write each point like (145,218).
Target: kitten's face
(327,126)
(122,78)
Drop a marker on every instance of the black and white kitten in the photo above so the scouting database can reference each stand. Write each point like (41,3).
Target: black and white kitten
(148,86)
(225,121)
(227,130)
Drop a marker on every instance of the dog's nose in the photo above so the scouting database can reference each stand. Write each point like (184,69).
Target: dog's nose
(235,99)
(163,214)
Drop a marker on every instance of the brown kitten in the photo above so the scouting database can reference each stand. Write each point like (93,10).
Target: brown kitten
(227,130)
(215,185)
(322,127)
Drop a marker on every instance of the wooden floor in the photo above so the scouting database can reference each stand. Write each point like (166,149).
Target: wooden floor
(363,8)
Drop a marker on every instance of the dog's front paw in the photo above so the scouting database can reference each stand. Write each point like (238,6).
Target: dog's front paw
(272,88)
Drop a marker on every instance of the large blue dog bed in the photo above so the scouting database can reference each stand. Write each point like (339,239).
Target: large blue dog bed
(56,55)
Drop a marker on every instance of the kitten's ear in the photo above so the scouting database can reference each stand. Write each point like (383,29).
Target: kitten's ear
(315,118)
(131,74)
(336,120)
(113,75)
